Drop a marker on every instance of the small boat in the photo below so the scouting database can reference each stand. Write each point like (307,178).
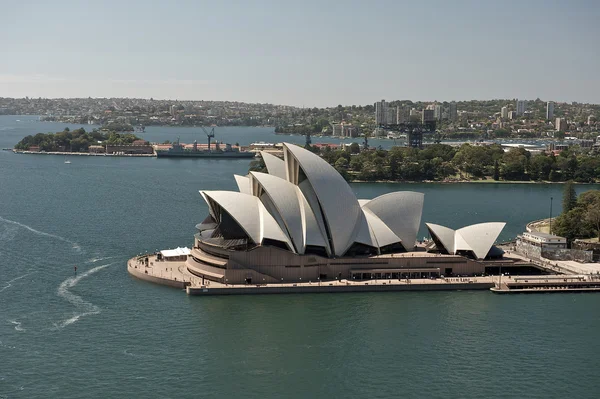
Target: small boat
(67,161)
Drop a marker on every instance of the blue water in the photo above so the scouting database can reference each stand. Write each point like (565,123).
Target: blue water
(101,333)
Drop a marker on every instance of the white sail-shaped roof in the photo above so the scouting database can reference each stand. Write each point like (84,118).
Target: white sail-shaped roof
(401,212)
(477,238)
(480,237)
(444,235)
(249,213)
(289,203)
(275,166)
(336,200)
(383,234)
(243,183)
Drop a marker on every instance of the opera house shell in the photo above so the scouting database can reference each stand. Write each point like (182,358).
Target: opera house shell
(301,221)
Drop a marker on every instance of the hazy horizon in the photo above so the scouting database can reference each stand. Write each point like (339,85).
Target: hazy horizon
(312,54)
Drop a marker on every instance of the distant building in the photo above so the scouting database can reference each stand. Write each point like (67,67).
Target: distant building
(344,130)
(381,112)
(173,110)
(520,107)
(549,110)
(402,114)
(453,113)
(591,120)
(504,112)
(390,116)
(428,116)
(438,112)
(561,125)
(336,130)
(415,115)
(512,115)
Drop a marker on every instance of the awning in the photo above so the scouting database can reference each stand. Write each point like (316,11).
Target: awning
(170,253)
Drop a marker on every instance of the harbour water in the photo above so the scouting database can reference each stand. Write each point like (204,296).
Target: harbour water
(102,333)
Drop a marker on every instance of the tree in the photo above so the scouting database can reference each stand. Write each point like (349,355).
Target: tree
(593,217)
(569,197)
(496,171)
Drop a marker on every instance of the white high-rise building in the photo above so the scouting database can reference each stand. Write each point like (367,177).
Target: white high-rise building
(520,107)
(437,112)
(504,112)
(381,112)
(549,110)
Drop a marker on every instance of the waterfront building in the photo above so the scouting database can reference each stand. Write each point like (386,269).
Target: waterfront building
(301,221)
(561,125)
(344,130)
(336,129)
(381,112)
(521,108)
(453,111)
(504,112)
(549,110)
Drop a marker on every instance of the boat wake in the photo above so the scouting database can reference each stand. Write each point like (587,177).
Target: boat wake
(8,283)
(17,325)
(86,308)
(75,245)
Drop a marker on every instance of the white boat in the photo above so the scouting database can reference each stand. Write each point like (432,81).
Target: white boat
(67,161)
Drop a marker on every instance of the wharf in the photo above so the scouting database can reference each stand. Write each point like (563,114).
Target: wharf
(547,284)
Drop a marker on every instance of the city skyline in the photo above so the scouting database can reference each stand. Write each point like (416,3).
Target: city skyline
(301,54)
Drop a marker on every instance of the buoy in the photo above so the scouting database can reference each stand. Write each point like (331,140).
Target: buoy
(75,269)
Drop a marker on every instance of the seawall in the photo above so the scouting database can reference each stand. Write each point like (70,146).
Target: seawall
(315,289)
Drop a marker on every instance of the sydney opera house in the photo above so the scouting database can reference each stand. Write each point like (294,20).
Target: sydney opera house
(302,222)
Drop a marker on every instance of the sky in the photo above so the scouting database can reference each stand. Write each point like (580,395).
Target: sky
(304,53)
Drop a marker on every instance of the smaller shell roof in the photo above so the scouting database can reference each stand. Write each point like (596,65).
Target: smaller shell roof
(250,214)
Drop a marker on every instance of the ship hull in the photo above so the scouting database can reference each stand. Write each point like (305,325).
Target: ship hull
(227,155)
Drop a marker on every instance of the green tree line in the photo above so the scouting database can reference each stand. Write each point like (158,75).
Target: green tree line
(441,162)
(77,140)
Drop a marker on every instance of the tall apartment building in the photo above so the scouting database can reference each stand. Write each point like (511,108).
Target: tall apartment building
(504,112)
(561,125)
(428,116)
(438,112)
(381,112)
(391,116)
(520,107)
(591,120)
(549,110)
(402,114)
(453,113)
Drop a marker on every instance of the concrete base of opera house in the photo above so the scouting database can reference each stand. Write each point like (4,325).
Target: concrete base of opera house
(177,274)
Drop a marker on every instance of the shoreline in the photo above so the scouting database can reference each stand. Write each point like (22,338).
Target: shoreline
(466,181)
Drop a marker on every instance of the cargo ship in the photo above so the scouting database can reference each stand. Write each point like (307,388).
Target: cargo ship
(219,150)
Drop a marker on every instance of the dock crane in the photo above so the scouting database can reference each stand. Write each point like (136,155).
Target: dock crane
(209,135)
